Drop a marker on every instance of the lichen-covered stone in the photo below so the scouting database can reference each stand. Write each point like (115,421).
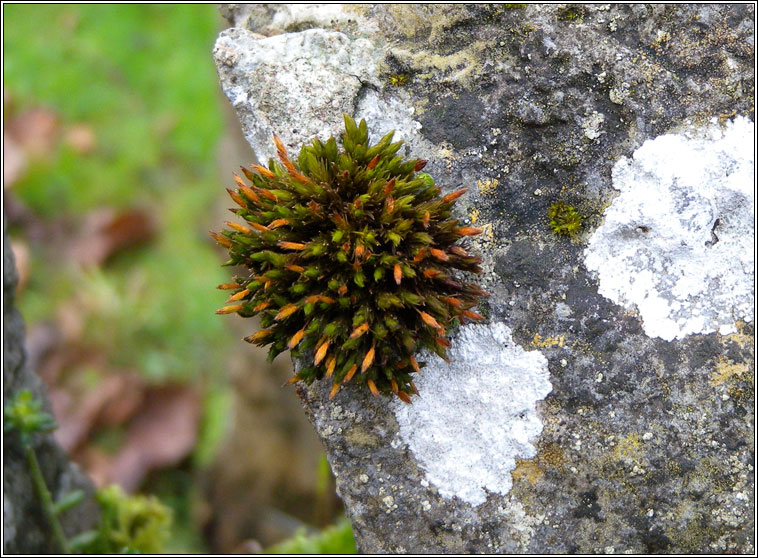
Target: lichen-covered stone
(646,444)
(25,528)
(677,244)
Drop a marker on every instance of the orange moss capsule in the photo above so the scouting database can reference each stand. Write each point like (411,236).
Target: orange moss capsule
(268,195)
(373,162)
(229,309)
(275,224)
(223,241)
(237,198)
(439,254)
(414,363)
(295,268)
(472,315)
(257,226)
(351,372)
(263,171)
(454,196)
(454,302)
(296,339)
(358,331)
(286,311)
(250,193)
(334,390)
(290,245)
(330,364)
(237,227)
(431,322)
(372,386)
(389,186)
(398,273)
(239,296)
(259,335)
(261,306)
(404,397)
(321,353)
(368,360)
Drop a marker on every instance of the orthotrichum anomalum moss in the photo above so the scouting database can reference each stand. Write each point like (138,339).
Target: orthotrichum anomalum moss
(351,255)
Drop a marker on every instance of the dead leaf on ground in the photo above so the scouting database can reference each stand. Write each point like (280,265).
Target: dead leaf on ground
(107,232)
(35,131)
(162,433)
(96,462)
(112,401)
(14,161)
(81,138)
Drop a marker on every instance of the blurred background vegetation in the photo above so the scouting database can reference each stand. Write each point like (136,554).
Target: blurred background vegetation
(117,148)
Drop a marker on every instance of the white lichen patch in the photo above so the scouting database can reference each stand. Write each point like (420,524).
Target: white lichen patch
(477,413)
(384,113)
(295,84)
(678,243)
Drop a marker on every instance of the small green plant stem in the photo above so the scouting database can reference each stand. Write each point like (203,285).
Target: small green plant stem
(47,500)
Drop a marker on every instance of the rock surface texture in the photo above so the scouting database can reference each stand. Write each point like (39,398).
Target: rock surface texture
(607,405)
(25,528)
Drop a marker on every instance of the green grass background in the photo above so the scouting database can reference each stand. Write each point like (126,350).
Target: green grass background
(142,78)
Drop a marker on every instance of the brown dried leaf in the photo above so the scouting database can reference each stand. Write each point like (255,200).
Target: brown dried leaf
(163,433)
(112,401)
(14,161)
(107,232)
(35,130)
(81,138)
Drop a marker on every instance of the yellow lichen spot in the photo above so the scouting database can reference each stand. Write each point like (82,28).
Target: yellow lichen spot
(529,470)
(398,80)
(488,233)
(726,370)
(743,339)
(474,215)
(629,447)
(487,186)
(552,456)
(537,341)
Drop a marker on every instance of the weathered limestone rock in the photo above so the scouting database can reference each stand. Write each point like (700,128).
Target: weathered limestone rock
(25,528)
(608,403)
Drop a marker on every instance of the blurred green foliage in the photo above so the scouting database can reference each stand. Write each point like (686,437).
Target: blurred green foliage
(337,539)
(23,414)
(141,75)
(142,78)
(128,525)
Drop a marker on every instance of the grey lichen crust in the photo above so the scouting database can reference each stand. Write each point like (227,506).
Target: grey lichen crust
(646,444)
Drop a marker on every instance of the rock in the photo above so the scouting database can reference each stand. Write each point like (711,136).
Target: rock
(25,528)
(581,418)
